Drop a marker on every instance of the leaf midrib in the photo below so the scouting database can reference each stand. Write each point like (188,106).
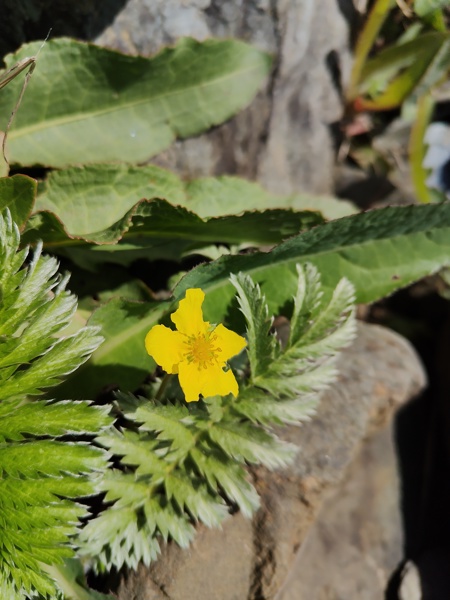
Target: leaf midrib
(67,120)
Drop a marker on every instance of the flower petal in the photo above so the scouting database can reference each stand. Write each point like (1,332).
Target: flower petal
(191,381)
(220,383)
(166,347)
(229,342)
(211,381)
(189,316)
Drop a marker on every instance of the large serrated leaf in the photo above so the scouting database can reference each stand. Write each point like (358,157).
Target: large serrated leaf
(378,251)
(87,104)
(81,208)
(38,472)
(150,227)
(79,195)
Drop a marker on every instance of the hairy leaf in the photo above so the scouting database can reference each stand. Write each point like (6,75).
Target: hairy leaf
(378,252)
(40,470)
(261,343)
(40,418)
(305,364)
(243,442)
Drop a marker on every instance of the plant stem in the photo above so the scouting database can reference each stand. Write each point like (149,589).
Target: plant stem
(163,386)
(366,39)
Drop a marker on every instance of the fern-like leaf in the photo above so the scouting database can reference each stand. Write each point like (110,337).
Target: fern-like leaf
(42,474)
(254,445)
(128,531)
(261,343)
(289,388)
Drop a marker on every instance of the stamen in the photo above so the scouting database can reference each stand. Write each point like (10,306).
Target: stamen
(201,351)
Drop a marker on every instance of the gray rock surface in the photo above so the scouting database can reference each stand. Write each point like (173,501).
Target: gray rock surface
(410,586)
(252,560)
(356,542)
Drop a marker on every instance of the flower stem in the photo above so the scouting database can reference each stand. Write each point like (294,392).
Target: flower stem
(163,386)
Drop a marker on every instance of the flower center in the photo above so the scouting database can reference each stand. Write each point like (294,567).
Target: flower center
(202,351)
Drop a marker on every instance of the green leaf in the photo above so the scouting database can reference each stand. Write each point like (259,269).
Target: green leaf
(71,214)
(221,473)
(424,7)
(130,108)
(167,421)
(39,469)
(398,71)
(116,537)
(286,385)
(378,14)
(34,310)
(122,359)
(432,13)
(262,343)
(218,196)
(156,229)
(40,418)
(45,490)
(243,442)
(72,581)
(307,302)
(185,464)
(125,532)
(78,195)
(328,320)
(36,521)
(265,410)
(18,194)
(50,457)
(194,498)
(135,452)
(378,251)
(64,357)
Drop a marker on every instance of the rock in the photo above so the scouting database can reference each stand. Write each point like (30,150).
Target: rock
(427,577)
(252,560)
(410,587)
(357,540)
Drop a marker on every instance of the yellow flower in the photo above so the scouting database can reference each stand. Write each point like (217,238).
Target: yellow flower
(197,351)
